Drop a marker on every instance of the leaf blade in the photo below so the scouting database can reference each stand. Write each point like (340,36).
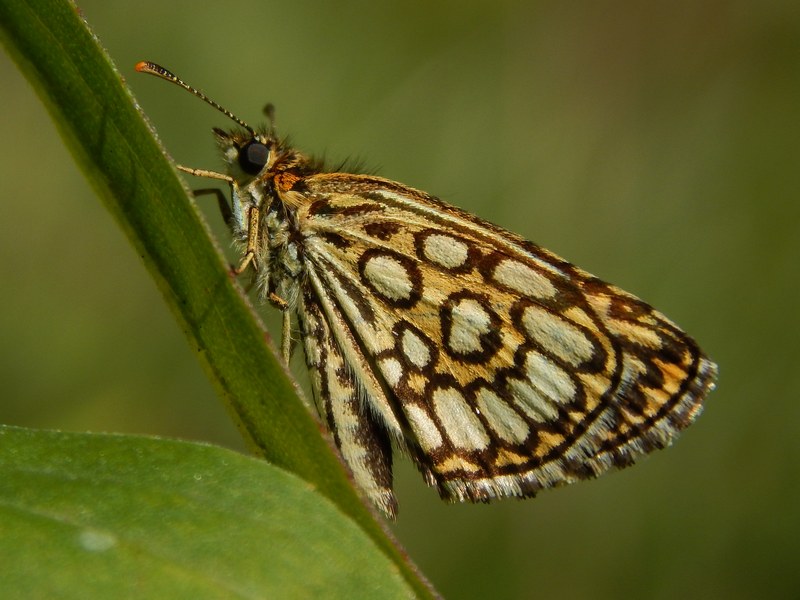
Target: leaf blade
(103,515)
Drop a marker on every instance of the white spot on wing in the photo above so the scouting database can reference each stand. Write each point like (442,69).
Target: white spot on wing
(414,349)
(469,321)
(548,377)
(445,251)
(461,425)
(392,370)
(557,335)
(523,279)
(388,277)
(503,420)
(532,401)
(425,429)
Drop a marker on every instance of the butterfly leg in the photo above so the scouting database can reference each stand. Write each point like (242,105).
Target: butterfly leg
(252,242)
(222,201)
(227,213)
(286,329)
(286,336)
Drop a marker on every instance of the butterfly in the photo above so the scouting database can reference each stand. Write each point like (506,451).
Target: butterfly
(498,367)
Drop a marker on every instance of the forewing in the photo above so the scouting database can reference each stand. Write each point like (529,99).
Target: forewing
(502,368)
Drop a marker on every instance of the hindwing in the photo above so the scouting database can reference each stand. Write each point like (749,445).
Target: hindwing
(501,368)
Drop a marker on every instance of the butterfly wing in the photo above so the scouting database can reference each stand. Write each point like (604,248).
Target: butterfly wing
(501,368)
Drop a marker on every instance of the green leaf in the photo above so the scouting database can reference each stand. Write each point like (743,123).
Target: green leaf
(101,124)
(107,516)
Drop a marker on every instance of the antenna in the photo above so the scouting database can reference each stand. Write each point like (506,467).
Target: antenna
(152,68)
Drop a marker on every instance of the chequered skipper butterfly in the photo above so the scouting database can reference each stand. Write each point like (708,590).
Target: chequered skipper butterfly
(498,367)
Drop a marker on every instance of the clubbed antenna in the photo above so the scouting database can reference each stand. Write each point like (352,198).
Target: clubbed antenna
(146,66)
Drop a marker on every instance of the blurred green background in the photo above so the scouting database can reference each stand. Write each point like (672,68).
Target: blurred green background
(655,145)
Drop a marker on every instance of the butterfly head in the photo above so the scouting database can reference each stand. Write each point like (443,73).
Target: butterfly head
(246,151)
(246,154)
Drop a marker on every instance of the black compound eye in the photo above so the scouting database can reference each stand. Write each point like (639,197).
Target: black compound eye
(253,156)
